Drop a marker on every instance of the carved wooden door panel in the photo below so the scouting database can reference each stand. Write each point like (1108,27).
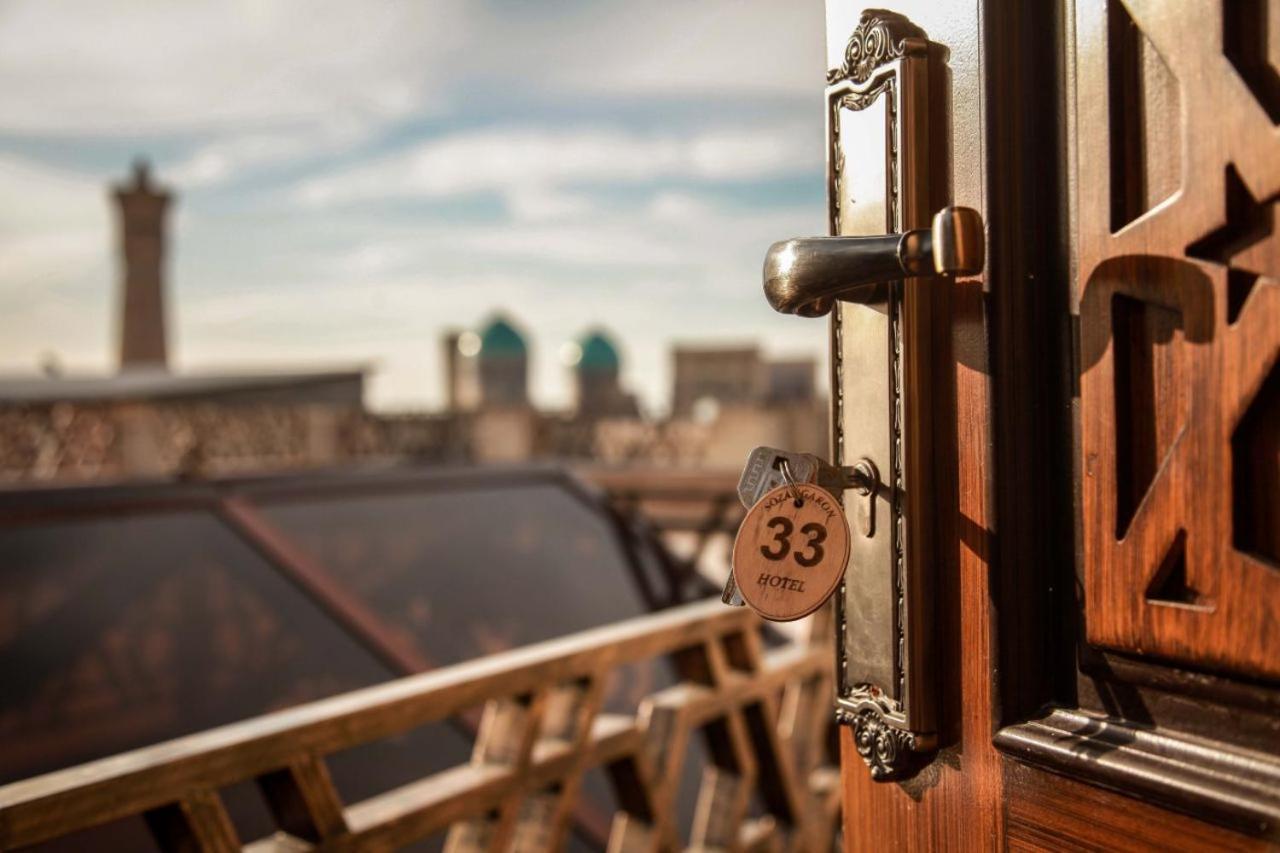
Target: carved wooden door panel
(1174,270)
(1105,417)
(1179,331)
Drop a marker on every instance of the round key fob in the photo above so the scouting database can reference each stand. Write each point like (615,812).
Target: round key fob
(791,551)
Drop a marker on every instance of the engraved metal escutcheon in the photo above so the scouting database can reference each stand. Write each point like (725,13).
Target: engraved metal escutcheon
(878,276)
(878,184)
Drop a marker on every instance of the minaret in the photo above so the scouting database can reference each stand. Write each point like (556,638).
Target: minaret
(452,378)
(142,209)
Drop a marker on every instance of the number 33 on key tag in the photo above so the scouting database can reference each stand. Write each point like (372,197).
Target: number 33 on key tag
(791,551)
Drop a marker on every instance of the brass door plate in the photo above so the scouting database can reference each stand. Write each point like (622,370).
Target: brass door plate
(878,164)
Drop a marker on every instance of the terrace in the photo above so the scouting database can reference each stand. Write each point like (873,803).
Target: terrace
(667,721)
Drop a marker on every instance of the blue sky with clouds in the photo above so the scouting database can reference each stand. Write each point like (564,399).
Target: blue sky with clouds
(356,177)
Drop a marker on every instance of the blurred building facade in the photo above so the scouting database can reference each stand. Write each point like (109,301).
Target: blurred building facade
(486,369)
(730,375)
(597,376)
(149,424)
(742,399)
(147,421)
(738,376)
(503,365)
(726,401)
(790,380)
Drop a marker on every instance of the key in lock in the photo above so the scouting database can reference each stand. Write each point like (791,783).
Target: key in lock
(767,468)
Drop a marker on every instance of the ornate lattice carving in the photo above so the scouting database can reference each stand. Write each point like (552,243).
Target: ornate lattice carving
(1172,398)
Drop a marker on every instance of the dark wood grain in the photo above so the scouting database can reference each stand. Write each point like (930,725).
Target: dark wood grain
(1173,354)
(1051,813)
(1236,787)
(303,800)
(954,801)
(197,823)
(1198,326)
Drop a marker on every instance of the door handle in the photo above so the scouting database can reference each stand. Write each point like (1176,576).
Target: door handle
(805,275)
(887,130)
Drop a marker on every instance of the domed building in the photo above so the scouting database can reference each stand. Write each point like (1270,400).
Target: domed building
(504,365)
(597,374)
(599,355)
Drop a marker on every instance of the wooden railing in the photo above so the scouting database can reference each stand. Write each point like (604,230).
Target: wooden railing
(686,510)
(763,715)
(697,502)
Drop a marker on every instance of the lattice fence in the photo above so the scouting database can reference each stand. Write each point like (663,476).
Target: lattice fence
(762,713)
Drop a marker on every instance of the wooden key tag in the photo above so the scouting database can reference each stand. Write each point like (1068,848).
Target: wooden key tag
(791,551)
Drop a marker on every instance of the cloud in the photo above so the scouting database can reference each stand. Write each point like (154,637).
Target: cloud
(55,265)
(312,290)
(542,204)
(609,133)
(53,225)
(123,66)
(113,65)
(740,49)
(677,265)
(515,159)
(680,208)
(234,156)
(277,81)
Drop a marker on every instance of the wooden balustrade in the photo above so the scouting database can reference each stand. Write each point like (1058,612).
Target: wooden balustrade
(762,712)
(686,509)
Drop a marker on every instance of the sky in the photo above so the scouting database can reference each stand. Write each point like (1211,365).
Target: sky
(354,178)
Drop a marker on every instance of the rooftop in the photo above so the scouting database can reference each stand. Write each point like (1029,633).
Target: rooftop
(161,384)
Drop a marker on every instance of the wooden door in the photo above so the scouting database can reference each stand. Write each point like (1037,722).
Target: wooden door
(1103,430)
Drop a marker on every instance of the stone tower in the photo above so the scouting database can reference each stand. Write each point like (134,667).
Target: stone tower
(597,373)
(504,365)
(142,208)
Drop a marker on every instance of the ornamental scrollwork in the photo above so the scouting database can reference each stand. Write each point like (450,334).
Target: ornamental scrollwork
(862,100)
(881,36)
(880,723)
(887,749)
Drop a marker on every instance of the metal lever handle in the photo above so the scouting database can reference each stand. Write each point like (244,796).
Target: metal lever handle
(805,275)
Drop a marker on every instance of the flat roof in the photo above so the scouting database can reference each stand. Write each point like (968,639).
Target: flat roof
(158,384)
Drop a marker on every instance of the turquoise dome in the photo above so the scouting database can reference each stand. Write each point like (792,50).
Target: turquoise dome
(501,340)
(598,353)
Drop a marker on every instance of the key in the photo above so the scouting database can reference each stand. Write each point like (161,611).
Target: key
(763,473)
